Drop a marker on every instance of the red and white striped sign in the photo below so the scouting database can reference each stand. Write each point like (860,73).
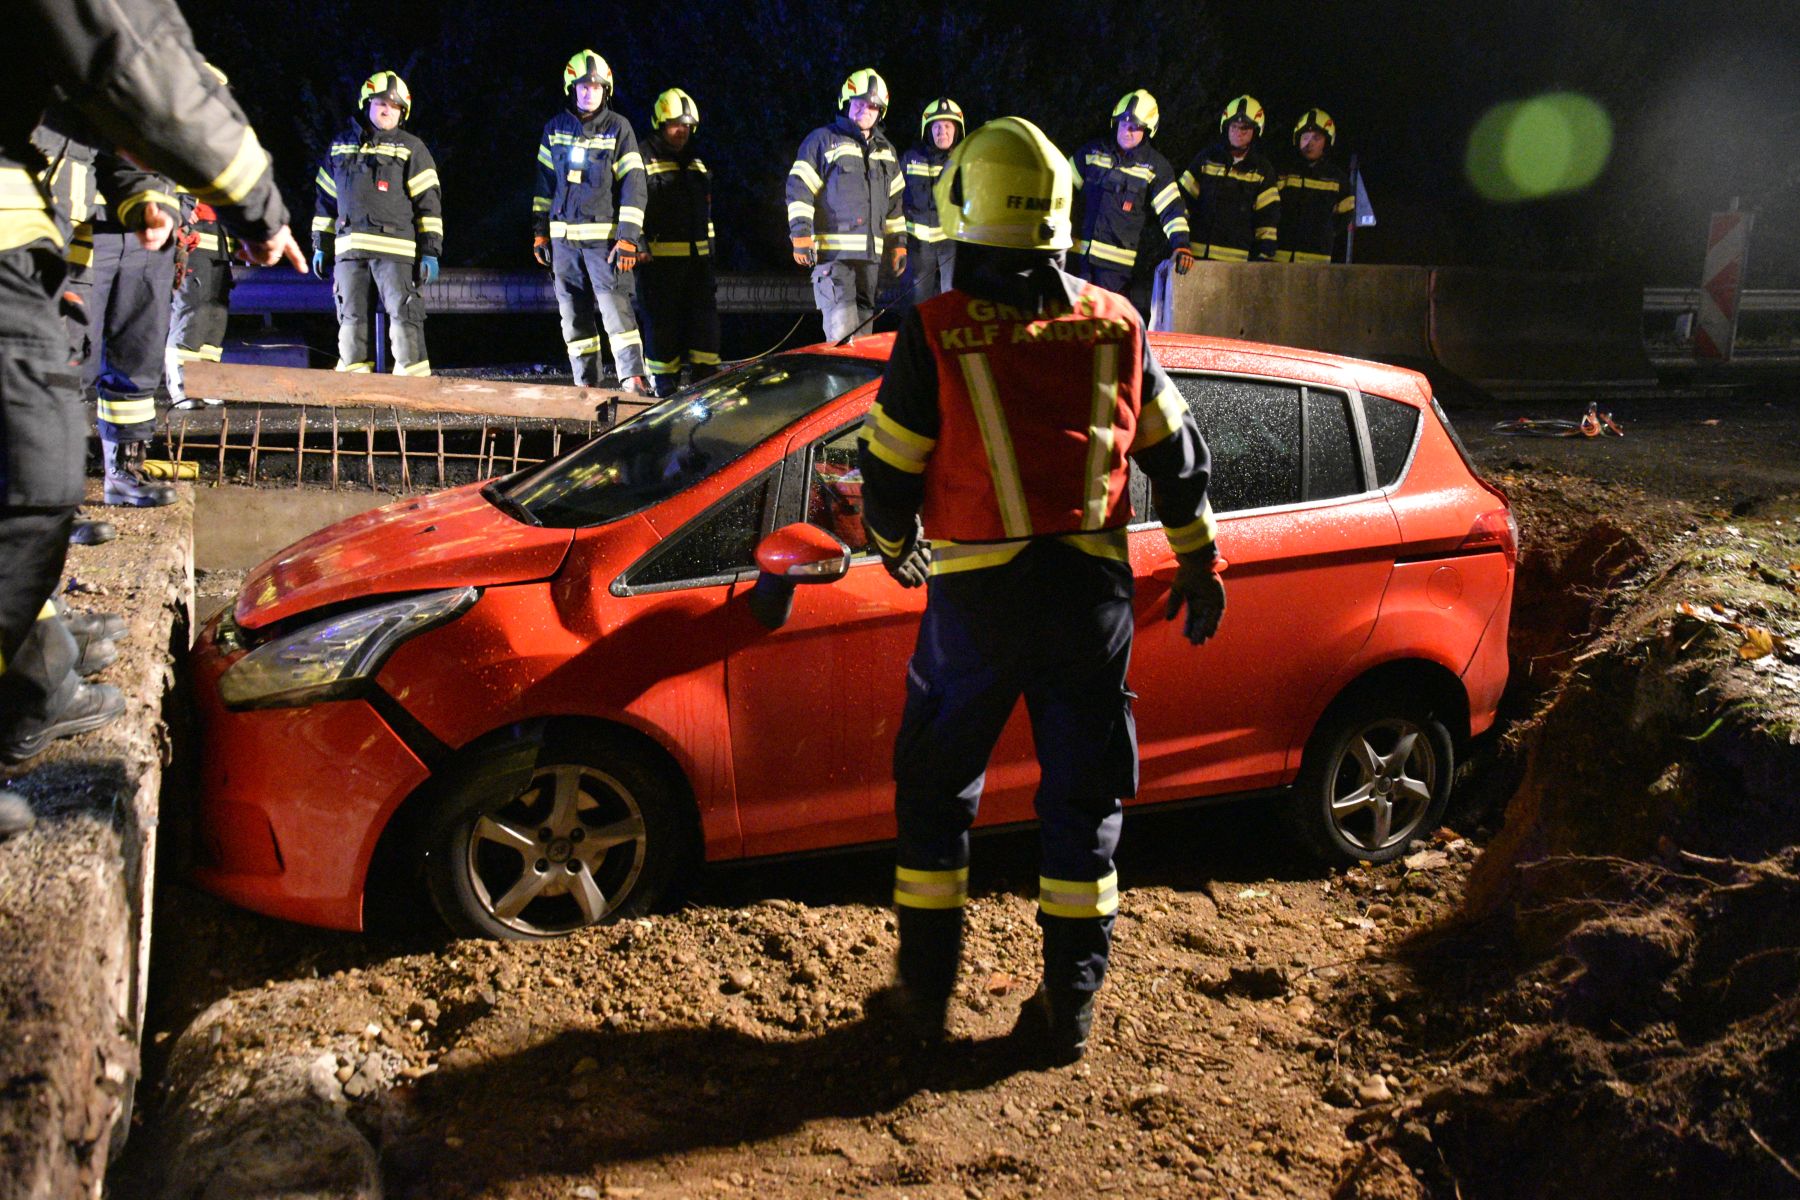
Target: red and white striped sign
(1722,285)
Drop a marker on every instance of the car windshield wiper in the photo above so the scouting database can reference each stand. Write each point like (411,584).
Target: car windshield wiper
(495,496)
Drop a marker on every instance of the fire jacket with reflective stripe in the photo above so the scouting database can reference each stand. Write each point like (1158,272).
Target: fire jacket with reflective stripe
(203,223)
(1234,206)
(1117,191)
(129,71)
(919,171)
(844,192)
(999,422)
(80,181)
(378,196)
(590,180)
(1316,205)
(678,207)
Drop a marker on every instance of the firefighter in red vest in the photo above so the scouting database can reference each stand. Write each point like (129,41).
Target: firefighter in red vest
(1001,431)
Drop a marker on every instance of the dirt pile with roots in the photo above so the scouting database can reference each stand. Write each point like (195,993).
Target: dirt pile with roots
(1618,998)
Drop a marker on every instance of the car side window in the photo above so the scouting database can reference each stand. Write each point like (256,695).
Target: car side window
(721,542)
(834,488)
(1253,431)
(1392,427)
(1333,459)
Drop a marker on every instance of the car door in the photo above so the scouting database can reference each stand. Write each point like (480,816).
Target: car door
(1310,545)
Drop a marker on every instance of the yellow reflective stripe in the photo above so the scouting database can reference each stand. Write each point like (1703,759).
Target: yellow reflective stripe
(203,354)
(1189,184)
(207,241)
(663,366)
(894,225)
(704,358)
(137,200)
(896,185)
(1079,898)
(540,204)
(1159,418)
(800,210)
(625,341)
(422,367)
(680,249)
(380,149)
(600,231)
(1197,534)
(1265,233)
(843,241)
(1221,253)
(81,254)
(422,181)
(1347,204)
(48,611)
(1267,197)
(996,439)
(626,165)
(658,167)
(890,548)
(1214,169)
(131,410)
(241,174)
(631,214)
(356,368)
(1302,256)
(1100,434)
(1109,254)
(321,224)
(924,232)
(1178,225)
(928,170)
(581,346)
(544,157)
(376,243)
(841,150)
(895,444)
(1165,197)
(947,558)
(430,225)
(809,178)
(1101,543)
(931,889)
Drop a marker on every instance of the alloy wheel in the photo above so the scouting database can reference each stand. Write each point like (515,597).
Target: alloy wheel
(1383,783)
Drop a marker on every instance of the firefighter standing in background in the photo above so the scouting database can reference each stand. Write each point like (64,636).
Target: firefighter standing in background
(1234,193)
(843,200)
(1121,179)
(379,224)
(930,256)
(676,288)
(587,222)
(202,306)
(1317,201)
(1001,432)
(129,70)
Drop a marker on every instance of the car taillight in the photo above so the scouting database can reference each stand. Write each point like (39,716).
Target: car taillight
(1494,530)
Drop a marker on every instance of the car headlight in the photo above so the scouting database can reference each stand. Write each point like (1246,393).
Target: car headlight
(335,658)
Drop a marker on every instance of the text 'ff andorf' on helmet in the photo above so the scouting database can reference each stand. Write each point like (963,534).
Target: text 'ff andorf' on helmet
(675,105)
(1247,107)
(1141,107)
(586,66)
(386,85)
(1319,119)
(941,109)
(866,83)
(1007,185)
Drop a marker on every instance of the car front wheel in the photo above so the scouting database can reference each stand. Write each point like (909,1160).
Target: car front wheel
(1375,776)
(587,838)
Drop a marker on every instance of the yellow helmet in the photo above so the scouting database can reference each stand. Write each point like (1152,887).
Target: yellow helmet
(675,105)
(587,67)
(1007,185)
(385,85)
(1319,119)
(1247,107)
(941,109)
(1141,107)
(866,83)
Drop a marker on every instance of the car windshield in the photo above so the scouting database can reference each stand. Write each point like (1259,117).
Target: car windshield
(681,441)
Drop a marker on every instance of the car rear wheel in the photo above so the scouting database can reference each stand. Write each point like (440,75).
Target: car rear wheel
(1375,776)
(588,837)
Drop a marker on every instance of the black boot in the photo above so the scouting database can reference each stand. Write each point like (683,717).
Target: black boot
(125,482)
(930,956)
(91,533)
(107,626)
(98,651)
(1053,1028)
(93,705)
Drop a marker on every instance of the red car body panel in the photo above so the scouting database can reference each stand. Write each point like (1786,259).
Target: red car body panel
(443,540)
(784,737)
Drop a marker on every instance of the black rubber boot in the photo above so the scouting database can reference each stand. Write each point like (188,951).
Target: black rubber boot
(125,482)
(108,626)
(1053,1030)
(930,956)
(15,815)
(91,533)
(93,705)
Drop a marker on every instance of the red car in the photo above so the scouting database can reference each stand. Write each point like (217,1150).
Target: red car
(553,695)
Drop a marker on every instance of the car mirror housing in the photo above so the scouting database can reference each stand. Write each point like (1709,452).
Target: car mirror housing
(794,554)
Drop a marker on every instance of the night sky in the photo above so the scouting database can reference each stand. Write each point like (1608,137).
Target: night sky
(1703,101)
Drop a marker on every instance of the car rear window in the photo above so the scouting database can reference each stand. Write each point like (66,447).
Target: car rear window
(683,440)
(1392,427)
(1253,431)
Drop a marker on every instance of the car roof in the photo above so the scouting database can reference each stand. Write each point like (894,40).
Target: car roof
(1187,351)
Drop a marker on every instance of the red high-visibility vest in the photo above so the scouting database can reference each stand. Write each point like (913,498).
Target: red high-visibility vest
(1036,416)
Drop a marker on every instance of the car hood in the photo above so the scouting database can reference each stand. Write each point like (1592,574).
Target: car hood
(450,539)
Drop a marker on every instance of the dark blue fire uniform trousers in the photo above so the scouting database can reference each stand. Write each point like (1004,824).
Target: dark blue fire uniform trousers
(128,295)
(1054,626)
(43,446)
(929,267)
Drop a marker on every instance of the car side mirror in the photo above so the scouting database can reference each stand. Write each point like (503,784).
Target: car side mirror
(794,554)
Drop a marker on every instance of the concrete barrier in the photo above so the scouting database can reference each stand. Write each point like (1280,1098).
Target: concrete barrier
(1494,328)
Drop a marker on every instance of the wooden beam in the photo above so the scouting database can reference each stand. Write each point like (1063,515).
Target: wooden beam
(246,384)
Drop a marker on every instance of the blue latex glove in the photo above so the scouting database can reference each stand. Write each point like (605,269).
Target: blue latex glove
(318,264)
(428,268)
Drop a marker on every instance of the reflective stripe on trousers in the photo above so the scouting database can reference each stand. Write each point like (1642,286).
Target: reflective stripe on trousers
(677,298)
(128,309)
(355,284)
(844,291)
(588,287)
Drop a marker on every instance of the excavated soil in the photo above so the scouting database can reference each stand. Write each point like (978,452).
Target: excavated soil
(1586,984)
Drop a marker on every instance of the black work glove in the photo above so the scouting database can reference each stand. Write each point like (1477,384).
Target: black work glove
(913,566)
(1197,586)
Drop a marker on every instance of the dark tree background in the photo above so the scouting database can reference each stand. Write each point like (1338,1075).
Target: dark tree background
(1705,100)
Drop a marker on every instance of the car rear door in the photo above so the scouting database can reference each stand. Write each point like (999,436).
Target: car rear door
(1311,545)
